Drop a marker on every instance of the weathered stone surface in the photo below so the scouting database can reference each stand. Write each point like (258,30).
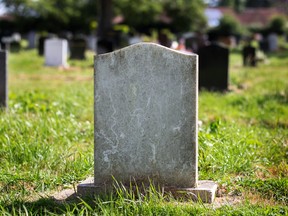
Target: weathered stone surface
(56,52)
(3,80)
(146,122)
(146,116)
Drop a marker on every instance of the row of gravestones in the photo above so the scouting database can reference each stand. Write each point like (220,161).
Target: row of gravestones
(55,51)
(77,46)
(146,121)
(213,63)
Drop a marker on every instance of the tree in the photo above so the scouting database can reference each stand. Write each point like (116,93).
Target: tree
(183,15)
(52,15)
(56,15)
(186,15)
(277,25)
(105,17)
(228,25)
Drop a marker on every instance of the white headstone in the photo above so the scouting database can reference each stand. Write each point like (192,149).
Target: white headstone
(56,52)
(146,110)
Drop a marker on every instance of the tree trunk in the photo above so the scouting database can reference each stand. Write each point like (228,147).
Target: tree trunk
(105,17)
(105,41)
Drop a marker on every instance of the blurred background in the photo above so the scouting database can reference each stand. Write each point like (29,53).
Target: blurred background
(106,25)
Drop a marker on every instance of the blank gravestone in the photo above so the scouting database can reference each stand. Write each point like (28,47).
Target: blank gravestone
(213,67)
(78,48)
(56,52)
(146,101)
(3,80)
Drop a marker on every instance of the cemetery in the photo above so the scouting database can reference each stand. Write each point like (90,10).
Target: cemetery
(137,123)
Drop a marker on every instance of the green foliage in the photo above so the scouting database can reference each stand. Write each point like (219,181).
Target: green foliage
(278,24)
(186,15)
(56,15)
(228,26)
(276,189)
(53,15)
(138,13)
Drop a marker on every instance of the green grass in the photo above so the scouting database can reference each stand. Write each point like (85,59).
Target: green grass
(46,143)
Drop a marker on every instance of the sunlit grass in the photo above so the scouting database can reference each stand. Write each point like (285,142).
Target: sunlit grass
(46,142)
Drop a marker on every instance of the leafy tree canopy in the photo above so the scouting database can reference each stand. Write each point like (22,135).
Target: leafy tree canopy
(182,15)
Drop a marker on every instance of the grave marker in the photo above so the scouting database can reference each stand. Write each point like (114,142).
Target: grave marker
(3,80)
(213,67)
(272,42)
(146,110)
(56,51)
(78,48)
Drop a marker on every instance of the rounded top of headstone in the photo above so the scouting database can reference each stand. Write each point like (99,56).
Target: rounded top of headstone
(149,46)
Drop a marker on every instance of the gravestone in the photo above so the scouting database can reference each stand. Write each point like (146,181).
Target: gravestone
(41,43)
(77,48)
(272,42)
(213,67)
(40,46)
(3,80)
(56,51)
(91,42)
(146,101)
(249,56)
(31,37)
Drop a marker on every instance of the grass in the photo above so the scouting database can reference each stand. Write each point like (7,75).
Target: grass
(46,143)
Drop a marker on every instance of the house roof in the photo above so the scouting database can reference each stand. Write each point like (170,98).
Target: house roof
(258,16)
(250,16)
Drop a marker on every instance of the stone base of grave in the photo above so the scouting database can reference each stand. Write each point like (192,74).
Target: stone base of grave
(204,192)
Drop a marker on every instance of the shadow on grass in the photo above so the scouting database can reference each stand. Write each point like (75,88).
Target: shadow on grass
(73,205)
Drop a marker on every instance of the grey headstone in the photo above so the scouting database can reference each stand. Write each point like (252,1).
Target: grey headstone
(145,118)
(3,80)
(213,68)
(273,42)
(31,37)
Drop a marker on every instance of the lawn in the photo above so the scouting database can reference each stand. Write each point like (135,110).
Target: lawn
(46,143)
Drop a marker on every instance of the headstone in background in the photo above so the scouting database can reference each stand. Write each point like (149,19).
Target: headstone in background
(3,80)
(41,43)
(91,42)
(272,42)
(146,110)
(78,48)
(249,56)
(56,51)
(6,42)
(213,67)
(12,43)
(264,45)
(31,38)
